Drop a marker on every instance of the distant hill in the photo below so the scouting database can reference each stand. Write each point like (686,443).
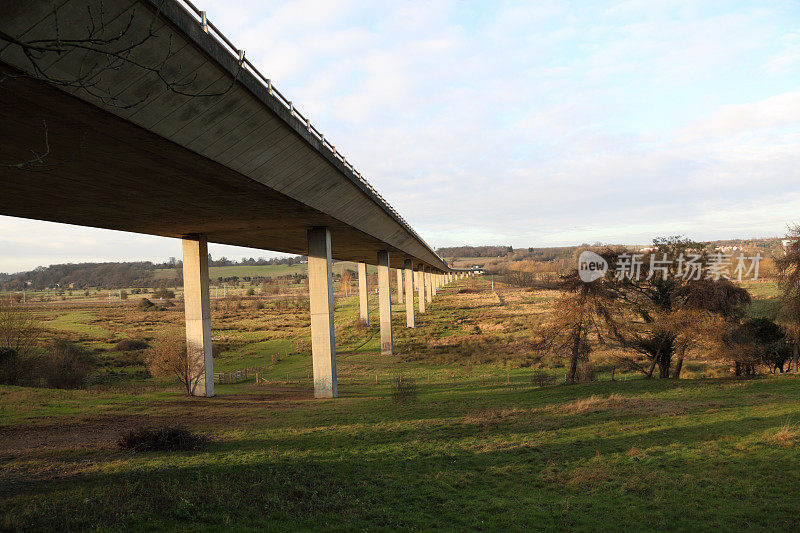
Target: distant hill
(148,274)
(764,245)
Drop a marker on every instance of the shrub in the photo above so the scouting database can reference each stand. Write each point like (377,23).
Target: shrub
(131,344)
(404,390)
(166,294)
(123,295)
(67,366)
(258,305)
(251,292)
(164,438)
(144,303)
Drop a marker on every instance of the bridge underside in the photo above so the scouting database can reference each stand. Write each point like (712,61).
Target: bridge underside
(219,160)
(106,172)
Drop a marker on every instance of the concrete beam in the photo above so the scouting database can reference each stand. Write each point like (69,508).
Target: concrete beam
(409,273)
(197,310)
(320,289)
(421,288)
(363,292)
(399,285)
(385,302)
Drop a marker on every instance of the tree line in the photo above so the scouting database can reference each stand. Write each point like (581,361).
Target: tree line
(659,318)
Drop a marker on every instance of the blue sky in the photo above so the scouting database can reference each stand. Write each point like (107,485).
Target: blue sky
(525,123)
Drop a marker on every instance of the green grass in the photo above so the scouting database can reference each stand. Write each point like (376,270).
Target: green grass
(628,456)
(481,448)
(77,321)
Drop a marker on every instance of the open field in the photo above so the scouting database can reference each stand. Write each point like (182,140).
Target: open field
(493,441)
(631,455)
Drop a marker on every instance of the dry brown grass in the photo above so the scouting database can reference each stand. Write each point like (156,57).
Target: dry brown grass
(785,436)
(591,404)
(621,404)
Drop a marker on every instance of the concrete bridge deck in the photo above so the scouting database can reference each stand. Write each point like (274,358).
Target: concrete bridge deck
(139,116)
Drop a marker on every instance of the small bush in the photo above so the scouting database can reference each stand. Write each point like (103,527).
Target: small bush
(123,295)
(166,294)
(258,305)
(163,438)
(404,390)
(361,324)
(251,292)
(126,345)
(144,303)
(67,366)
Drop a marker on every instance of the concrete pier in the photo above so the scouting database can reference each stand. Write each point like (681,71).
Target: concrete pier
(399,285)
(421,288)
(409,273)
(385,302)
(428,285)
(197,311)
(363,292)
(320,289)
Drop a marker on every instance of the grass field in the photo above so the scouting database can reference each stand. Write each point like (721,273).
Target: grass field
(627,456)
(491,442)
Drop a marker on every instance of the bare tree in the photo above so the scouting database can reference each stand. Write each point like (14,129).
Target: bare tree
(347,281)
(583,309)
(168,358)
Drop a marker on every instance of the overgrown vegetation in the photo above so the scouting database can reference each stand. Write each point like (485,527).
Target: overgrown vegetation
(163,438)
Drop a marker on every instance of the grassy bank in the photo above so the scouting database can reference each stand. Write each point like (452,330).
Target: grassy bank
(631,455)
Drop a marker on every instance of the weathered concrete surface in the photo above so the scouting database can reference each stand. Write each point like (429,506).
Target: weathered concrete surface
(421,284)
(363,293)
(320,288)
(385,302)
(399,285)
(225,159)
(409,273)
(198,316)
(428,285)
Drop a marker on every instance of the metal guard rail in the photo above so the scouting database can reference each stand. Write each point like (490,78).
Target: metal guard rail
(206,24)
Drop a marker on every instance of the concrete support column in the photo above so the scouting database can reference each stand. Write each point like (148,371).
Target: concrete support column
(385,301)
(320,289)
(421,288)
(409,272)
(399,285)
(197,311)
(434,283)
(363,302)
(428,285)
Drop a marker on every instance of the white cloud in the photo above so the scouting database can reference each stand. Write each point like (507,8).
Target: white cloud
(537,124)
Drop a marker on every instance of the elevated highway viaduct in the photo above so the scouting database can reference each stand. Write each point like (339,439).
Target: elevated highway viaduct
(141,116)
